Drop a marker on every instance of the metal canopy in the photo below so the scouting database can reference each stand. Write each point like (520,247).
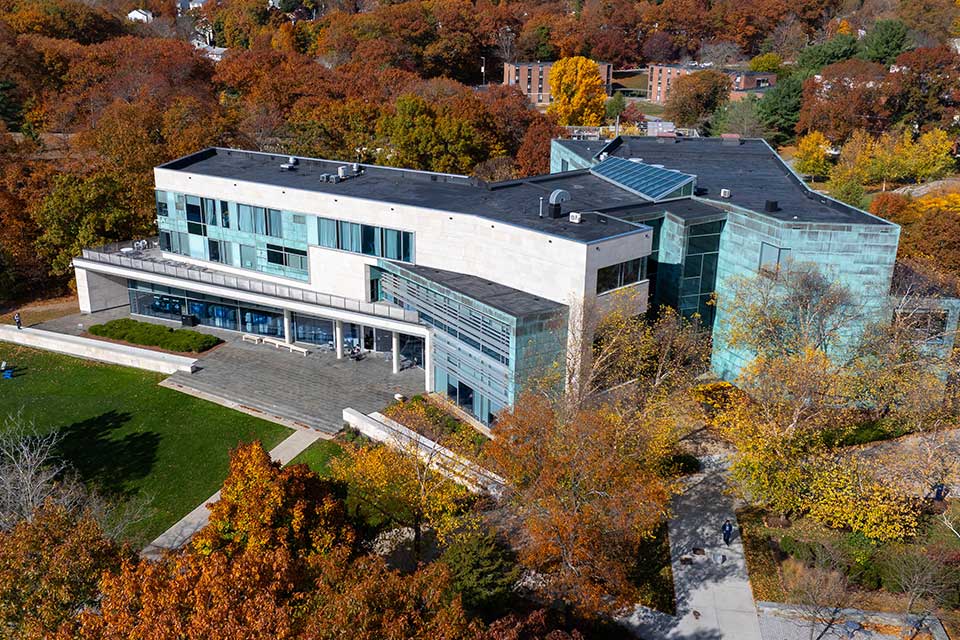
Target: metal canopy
(645,180)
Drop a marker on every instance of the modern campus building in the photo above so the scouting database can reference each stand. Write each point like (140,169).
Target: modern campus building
(533,79)
(482,285)
(660,77)
(473,282)
(750,213)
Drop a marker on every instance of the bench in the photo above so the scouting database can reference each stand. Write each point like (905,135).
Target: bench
(276,343)
(296,348)
(249,337)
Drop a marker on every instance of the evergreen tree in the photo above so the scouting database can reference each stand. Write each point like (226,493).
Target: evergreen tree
(839,48)
(887,40)
(484,571)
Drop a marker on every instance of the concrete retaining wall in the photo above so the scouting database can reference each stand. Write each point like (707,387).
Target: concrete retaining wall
(97,350)
(462,471)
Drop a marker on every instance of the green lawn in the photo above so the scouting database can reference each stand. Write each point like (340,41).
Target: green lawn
(318,455)
(126,435)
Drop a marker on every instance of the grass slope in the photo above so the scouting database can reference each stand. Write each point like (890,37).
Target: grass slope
(126,435)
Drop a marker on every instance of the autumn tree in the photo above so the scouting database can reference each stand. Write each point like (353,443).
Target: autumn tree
(400,483)
(659,47)
(695,97)
(264,506)
(251,594)
(936,19)
(769,62)
(844,97)
(365,600)
(812,155)
(578,92)
(924,87)
(533,156)
(50,566)
(587,497)
(574,459)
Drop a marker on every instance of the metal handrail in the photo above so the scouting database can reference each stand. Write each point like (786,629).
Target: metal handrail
(111,254)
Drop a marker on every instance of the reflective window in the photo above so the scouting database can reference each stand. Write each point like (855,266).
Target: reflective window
(620,275)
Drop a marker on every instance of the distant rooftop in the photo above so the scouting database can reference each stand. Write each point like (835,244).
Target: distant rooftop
(507,299)
(514,202)
(749,168)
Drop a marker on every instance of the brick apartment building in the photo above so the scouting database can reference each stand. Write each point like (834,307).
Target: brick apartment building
(533,79)
(660,77)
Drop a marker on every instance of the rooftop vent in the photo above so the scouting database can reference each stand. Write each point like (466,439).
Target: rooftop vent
(356,168)
(771,206)
(558,197)
(724,193)
(576,217)
(341,172)
(730,139)
(701,191)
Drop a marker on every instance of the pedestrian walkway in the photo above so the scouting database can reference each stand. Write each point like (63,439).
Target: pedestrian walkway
(714,599)
(178,535)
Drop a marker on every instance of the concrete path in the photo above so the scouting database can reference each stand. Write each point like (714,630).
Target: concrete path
(178,535)
(714,599)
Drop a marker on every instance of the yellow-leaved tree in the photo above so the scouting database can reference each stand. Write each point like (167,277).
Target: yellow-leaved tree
(811,158)
(579,98)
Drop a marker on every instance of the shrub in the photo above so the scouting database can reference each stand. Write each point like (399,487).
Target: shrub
(155,335)
(801,550)
(484,570)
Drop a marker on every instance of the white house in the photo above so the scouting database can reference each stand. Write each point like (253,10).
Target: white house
(140,15)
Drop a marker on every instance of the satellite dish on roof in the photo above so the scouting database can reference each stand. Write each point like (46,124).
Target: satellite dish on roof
(559,195)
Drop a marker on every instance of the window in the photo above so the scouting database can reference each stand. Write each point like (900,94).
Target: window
(370,240)
(162,203)
(620,275)
(245,218)
(287,257)
(350,236)
(220,251)
(248,257)
(328,232)
(274,223)
(224,214)
(210,212)
(772,258)
(195,223)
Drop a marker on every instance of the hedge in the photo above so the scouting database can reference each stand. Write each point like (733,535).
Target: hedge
(155,335)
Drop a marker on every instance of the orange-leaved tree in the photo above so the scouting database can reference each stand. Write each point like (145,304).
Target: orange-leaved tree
(578,92)
(697,96)
(251,594)
(49,569)
(263,506)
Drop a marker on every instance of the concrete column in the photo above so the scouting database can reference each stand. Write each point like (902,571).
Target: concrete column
(287,326)
(360,336)
(428,362)
(396,352)
(338,337)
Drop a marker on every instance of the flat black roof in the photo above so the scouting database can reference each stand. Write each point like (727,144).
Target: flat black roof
(507,299)
(515,202)
(687,209)
(749,168)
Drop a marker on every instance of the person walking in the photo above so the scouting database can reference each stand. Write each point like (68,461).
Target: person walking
(16,318)
(727,530)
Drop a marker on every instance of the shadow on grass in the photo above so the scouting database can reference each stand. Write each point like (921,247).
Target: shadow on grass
(104,461)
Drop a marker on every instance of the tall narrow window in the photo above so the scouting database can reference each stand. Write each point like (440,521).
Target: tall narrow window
(370,240)
(162,204)
(391,244)
(406,253)
(328,233)
(260,217)
(274,223)
(245,218)
(350,236)
(224,214)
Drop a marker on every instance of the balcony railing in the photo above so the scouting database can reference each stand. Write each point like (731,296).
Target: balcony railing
(125,254)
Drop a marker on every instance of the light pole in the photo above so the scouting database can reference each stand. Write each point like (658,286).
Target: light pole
(483,69)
